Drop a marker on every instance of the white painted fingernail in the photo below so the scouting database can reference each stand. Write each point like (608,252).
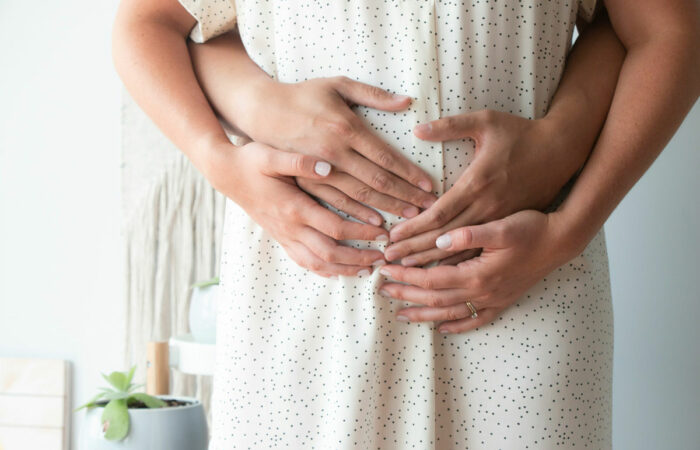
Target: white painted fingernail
(382,238)
(376,221)
(379,262)
(384,293)
(385,272)
(402,318)
(322,168)
(363,273)
(444,331)
(443,241)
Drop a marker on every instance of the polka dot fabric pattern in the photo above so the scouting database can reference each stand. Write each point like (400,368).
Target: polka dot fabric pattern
(305,362)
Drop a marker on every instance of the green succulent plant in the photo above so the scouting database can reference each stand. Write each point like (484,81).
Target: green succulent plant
(115,417)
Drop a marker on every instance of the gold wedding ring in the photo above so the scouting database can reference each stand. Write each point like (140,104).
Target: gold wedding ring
(472,309)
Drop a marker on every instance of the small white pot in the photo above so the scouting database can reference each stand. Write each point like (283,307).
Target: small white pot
(203,313)
(170,428)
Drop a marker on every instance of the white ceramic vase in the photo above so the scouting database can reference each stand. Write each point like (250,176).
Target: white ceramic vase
(170,428)
(202,314)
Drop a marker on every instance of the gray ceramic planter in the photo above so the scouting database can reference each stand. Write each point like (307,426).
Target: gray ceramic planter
(173,428)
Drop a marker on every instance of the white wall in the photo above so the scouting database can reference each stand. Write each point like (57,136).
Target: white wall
(60,248)
(60,260)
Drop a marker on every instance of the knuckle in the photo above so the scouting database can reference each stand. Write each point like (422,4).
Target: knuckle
(434,301)
(298,161)
(325,253)
(439,216)
(375,92)
(450,123)
(335,232)
(428,283)
(314,266)
(385,158)
(341,127)
(381,181)
(363,194)
(487,116)
(326,152)
(451,314)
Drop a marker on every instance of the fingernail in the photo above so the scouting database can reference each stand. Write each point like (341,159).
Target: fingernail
(409,262)
(322,168)
(425,186)
(384,293)
(385,272)
(388,255)
(382,238)
(428,203)
(411,211)
(444,331)
(424,128)
(363,273)
(375,221)
(402,318)
(379,262)
(443,241)
(400,97)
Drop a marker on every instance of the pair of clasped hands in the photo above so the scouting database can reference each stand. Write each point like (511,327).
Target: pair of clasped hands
(487,231)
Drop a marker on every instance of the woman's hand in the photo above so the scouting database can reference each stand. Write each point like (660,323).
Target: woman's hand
(518,251)
(314,117)
(260,179)
(519,164)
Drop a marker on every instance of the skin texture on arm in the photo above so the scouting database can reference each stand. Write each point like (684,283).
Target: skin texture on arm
(151,56)
(658,84)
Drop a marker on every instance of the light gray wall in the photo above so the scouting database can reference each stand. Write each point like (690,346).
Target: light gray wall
(60,249)
(653,242)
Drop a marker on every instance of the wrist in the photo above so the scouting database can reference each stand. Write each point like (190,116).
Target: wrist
(572,234)
(211,154)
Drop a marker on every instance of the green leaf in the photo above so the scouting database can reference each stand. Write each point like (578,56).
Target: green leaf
(149,400)
(115,395)
(205,283)
(133,387)
(130,376)
(117,379)
(91,402)
(115,420)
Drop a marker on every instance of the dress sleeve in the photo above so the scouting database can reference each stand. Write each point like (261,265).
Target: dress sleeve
(214,17)
(587,9)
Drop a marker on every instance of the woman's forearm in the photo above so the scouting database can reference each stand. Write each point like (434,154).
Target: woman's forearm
(658,84)
(226,73)
(150,54)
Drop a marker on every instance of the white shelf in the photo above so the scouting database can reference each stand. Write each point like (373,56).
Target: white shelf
(191,357)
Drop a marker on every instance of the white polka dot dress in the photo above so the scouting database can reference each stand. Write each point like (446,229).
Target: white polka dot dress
(305,362)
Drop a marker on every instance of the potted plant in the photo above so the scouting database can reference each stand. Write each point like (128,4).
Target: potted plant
(120,418)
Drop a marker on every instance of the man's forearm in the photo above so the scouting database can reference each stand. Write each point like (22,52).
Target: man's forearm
(658,84)
(151,57)
(579,107)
